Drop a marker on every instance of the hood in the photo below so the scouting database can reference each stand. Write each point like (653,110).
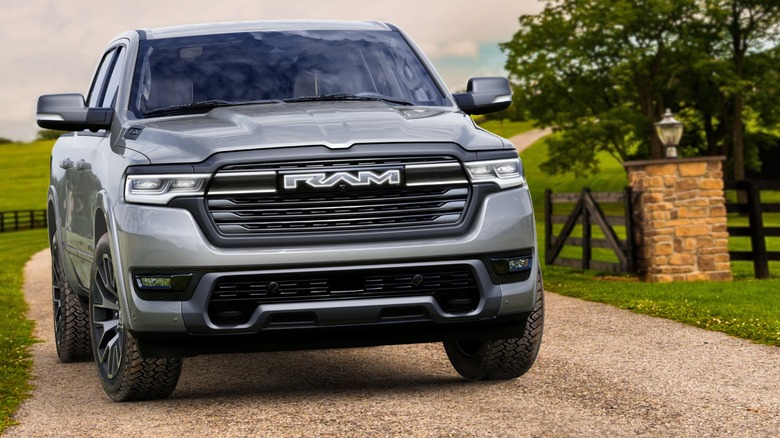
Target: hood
(336,125)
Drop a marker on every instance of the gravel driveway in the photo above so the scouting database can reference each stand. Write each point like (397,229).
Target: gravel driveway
(601,371)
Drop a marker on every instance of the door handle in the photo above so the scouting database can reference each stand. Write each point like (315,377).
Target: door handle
(83,165)
(66,164)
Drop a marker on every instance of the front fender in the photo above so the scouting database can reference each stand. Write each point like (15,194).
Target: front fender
(104,222)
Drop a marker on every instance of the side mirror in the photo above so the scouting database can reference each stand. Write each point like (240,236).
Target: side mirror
(485,95)
(68,112)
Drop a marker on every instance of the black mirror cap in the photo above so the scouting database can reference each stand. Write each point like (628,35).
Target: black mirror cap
(485,95)
(68,112)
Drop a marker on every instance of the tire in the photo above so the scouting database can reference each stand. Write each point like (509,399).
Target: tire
(124,373)
(71,319)
(501,359)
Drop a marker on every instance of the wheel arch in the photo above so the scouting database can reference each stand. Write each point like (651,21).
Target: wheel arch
(100,223)
(52,215)
(51,220)
(105,223)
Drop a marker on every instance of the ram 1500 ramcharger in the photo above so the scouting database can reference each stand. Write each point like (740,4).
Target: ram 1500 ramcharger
(265,186)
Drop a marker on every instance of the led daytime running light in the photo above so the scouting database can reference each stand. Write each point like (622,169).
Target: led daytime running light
(161,189)
(505,173)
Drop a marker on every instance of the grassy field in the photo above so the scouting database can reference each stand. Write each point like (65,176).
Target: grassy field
(15,330)
(507,128)
(24,175)
(745,308)
(610,178)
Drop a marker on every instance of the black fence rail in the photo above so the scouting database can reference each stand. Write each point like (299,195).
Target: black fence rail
(751,205)
(22,220)
(587,211)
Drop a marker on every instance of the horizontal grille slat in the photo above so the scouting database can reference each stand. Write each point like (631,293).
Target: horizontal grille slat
(332,219)
(358,201)
(338,213)
(332,209)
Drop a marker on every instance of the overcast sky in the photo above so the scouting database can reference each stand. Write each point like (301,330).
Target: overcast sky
(53,46)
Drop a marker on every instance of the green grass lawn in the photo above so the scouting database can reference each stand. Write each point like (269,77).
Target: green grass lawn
(24,175)
(610,178)
(745,308)
(507,128)
(15,329)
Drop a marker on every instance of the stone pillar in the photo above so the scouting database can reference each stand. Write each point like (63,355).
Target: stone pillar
(680,219)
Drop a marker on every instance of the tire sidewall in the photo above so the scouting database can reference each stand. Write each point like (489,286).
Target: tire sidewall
(113,385)
(476,360)
(71,330)
(58,277)
(470,365)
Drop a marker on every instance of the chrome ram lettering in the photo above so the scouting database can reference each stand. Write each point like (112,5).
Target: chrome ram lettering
(355,179)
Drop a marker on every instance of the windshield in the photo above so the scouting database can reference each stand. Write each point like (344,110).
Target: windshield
(268,67)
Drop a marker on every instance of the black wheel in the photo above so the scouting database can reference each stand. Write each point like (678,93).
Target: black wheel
(71,319)
(501,358)
(124,374)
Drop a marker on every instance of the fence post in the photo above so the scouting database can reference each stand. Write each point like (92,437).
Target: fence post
(2,221)
(629,212)
(16,220)
(756,221)
(587,252)
(548,232)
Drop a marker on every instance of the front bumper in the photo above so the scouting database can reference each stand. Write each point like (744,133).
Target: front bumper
(160,237)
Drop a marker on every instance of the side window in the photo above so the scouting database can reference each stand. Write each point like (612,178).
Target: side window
(109,97)
(98,84)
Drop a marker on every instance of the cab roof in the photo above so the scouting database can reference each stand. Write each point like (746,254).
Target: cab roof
(259,26)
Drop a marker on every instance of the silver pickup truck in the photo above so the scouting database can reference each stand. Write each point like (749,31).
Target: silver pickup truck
(263,186)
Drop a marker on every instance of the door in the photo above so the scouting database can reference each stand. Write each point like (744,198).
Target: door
(81,159)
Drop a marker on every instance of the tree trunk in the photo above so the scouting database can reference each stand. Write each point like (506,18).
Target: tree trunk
(739,46)
(648,109)
(710,135)
(738,139)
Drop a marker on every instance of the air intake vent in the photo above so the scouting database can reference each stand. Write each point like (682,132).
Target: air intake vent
(234,298)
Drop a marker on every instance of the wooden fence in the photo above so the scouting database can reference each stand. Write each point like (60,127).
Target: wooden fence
(753,207)
(22,220)
(587,211)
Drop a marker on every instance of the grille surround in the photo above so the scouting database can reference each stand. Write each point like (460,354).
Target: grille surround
(435,193)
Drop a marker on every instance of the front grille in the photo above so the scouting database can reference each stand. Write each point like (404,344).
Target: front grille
(235,298)
(336,211)
(249,199)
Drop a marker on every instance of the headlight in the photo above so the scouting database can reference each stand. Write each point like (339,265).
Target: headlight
(160,189)
(505,173)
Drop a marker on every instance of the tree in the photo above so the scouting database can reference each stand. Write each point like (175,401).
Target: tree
(602,72)
(595,71)
(752,25)
(48,134)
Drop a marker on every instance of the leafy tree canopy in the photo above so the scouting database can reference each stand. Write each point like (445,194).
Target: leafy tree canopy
(602,72)
(48,134)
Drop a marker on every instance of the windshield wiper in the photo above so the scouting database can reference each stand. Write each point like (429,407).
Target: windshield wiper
(204,106)
(349,96)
